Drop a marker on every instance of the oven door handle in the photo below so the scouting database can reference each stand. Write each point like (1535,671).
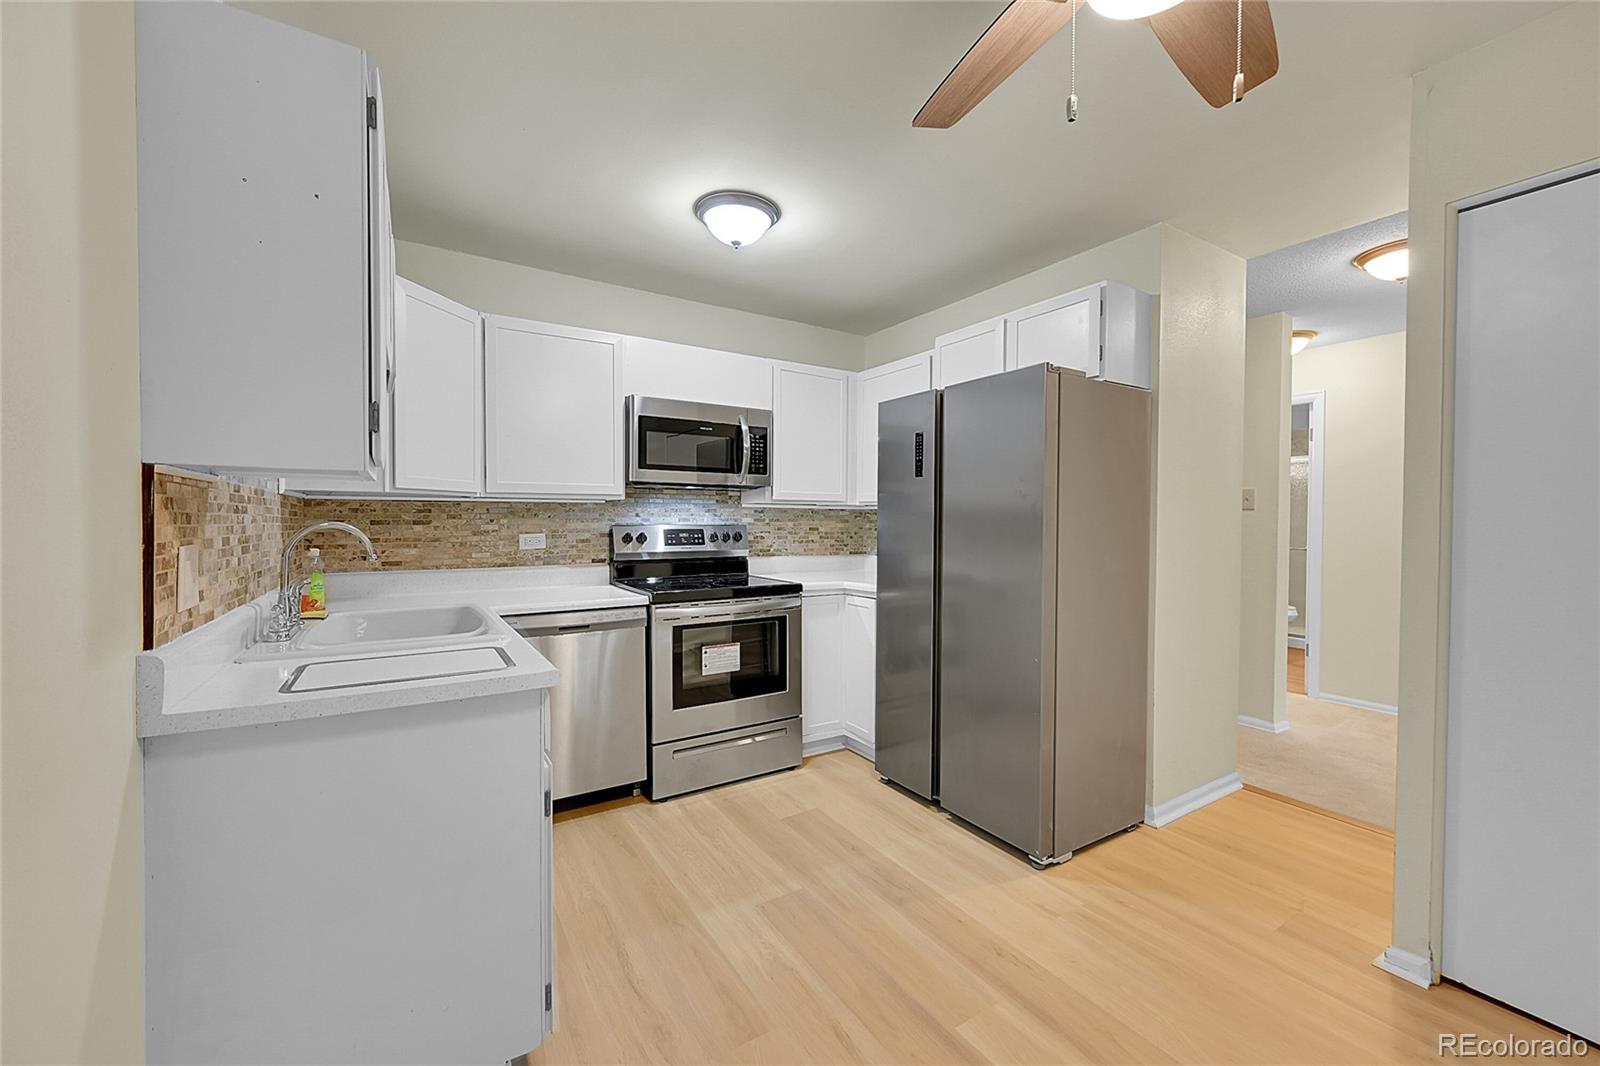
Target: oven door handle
(717,614)
(744,462)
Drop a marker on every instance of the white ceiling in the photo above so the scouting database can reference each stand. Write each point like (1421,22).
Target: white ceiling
(575,137)
(1316,283)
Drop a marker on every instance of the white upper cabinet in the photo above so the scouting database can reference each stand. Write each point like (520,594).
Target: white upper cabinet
(1064,332)
(263,258)
(438,394)
(553,410)
(903,377)
(810,435)
(974,352)
(701,375)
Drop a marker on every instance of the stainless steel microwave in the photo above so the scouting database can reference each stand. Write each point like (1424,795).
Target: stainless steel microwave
(677,442)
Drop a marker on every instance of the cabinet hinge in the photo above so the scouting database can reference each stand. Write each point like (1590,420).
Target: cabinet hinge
(374,417)
(547,802)
(372,112)
(549,998)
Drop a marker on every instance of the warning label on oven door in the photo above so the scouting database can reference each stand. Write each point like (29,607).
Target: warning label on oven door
(719,658)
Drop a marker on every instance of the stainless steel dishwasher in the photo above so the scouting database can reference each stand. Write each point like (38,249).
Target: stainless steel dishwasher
(597,712)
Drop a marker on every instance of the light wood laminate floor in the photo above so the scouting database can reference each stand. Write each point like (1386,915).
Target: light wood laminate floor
(821,916)
(1297,671)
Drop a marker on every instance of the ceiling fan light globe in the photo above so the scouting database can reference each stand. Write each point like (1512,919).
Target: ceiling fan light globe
(1130,9)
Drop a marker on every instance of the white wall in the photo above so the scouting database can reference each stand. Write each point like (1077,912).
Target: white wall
(1264,574)
(1134,260)
(1199,468)
(1524,104)
(69,464)
(510,289)
(1364,440)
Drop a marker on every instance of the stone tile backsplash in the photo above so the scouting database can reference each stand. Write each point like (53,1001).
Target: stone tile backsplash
(241,530)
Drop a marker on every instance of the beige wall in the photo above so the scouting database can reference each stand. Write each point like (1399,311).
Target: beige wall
(1364,384)
(509,289)
(72,942)
(1519,106)
(1264,563)
(1134,260)
(1199,464)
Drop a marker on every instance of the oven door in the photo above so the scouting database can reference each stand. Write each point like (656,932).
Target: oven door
(675,442)
(723,665)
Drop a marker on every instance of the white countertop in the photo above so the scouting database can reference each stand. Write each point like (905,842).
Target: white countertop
(194,683)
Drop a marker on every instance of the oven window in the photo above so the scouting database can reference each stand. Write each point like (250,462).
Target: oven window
(720,661)
(688,444)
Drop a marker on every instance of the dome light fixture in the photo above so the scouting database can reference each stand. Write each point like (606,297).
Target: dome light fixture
(1299,339)
(735,218)
(1386,262)
(1130,9)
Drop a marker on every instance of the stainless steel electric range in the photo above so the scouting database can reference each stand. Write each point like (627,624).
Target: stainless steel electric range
(724,655)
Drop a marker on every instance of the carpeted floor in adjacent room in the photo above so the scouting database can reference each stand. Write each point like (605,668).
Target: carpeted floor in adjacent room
(1336,757)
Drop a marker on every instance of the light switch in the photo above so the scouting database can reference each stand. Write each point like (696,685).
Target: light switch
(188,576)
(1249,499)
(528,542)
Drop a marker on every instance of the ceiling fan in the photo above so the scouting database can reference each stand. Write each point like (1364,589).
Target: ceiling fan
(1210,41)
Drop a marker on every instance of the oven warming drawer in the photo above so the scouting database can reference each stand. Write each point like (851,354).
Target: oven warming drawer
(700,762)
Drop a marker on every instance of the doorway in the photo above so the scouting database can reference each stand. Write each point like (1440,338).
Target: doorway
(1306,438)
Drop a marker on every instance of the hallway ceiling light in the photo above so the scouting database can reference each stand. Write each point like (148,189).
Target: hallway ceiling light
(1386,262)
(1299,339)
(736,218)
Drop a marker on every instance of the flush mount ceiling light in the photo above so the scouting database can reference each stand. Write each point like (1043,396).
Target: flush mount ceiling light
(1299,339)
(1130,9)
(736,218)
(1386,262)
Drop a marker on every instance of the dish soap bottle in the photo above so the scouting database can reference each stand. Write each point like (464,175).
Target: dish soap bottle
(314,599)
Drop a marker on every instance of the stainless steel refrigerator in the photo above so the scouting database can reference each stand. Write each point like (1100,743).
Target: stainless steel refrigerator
(1036,715)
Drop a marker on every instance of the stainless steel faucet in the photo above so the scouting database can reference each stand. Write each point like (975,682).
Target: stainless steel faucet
(286,620)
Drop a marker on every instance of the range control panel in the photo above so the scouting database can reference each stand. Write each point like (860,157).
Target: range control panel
(718,539)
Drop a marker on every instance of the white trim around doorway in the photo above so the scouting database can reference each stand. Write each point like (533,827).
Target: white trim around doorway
(1318,461)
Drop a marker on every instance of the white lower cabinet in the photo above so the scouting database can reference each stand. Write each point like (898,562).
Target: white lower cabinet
(552,410)
(839,664)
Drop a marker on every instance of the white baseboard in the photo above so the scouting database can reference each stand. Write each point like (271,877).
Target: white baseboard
(1406,965)
(835,736)
(1178,806)
(1264,725)
(1351,701)
(1297,642)
(821,746)
(857,741)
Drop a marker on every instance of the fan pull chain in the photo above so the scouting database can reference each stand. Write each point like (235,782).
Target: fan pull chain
(1238,58)
(1072,76)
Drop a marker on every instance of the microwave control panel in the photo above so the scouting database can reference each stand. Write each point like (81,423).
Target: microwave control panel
(758,450)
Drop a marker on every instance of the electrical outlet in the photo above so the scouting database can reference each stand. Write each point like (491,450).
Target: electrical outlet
(1249,499)
(528,542)
(188,576)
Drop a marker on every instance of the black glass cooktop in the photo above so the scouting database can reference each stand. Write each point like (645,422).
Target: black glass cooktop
(686,588)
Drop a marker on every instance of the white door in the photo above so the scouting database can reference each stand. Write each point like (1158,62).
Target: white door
(974,352)
(810,434)
(552,410)
(1064,332)
(904,377)
(1522,768)
(438,393)
(860,668)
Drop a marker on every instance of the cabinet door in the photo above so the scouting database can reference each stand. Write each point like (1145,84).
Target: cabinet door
(974,352)
(256,341)
(810,434)
(701,375)
(1064,332)
(903,377)
(438,394)
(860,669)
(822,690)
(552,411)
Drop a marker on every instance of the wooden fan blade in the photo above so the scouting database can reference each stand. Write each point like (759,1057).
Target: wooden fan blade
(1199,35)
(1020,31)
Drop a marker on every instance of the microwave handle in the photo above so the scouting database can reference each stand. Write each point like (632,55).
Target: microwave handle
(744,462)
